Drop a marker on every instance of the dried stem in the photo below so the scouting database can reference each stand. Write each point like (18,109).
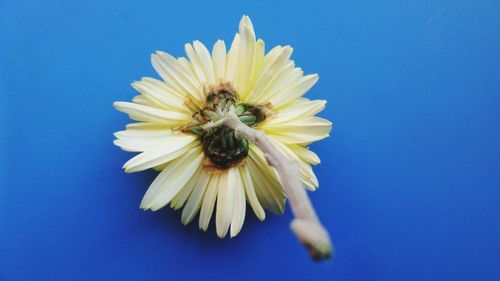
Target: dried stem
(306,224)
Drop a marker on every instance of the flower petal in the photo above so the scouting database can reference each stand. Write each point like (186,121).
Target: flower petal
(232,59)
(172,179)
(305,171)
(298,110)
(225,202)
(305,154)
(287,76)
(135,145)
(239,203)
(173,147)
(196,63)
(304,131)
(265,180)
(219,60)
(245,58)
(195,198)
(274,62)
(146,126)
(154,134)
(182,196)
(205,61)
(208,204)
(262,94)
(149,114)
(140,99)
(250,193)
(176,75)
(258,62)
(141,140)
(293,92)
(158,94)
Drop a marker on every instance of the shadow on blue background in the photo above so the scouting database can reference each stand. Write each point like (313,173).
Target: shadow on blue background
(410,183)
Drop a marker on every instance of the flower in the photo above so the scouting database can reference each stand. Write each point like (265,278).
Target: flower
(205,168)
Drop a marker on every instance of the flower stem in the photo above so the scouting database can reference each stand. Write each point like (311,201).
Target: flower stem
(306,224)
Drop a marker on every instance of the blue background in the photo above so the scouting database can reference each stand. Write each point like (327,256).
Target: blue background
(410,182)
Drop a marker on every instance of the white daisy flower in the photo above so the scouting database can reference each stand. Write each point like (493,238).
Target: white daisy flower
(209,167)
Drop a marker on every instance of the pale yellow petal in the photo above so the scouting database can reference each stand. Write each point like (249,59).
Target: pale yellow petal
(149,114)
(172,179)
(225,202)
(205,61)
(193,204)
(303,131)
(245,59)
(258,62)
(167,75)
(132,146)
(305,170)
(305,154)
(159,95)
(265,181)
(209,198)
(142,139)
(275,61)
(295,91)
(266,87)
(173,147)
(182,196)
(219,60)
(146,126)
(232,59)
(154,133)
(188,69)
(298,110)
(285,79)
(177,75)
(250,193)
(239,205)
(196,63)
(140,99)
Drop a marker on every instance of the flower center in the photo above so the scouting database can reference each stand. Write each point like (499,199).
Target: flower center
(220,144)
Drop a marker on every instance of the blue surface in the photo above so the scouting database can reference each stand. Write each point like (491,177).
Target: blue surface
(410,182)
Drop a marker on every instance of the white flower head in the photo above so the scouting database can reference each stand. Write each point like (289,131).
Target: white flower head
(204,167)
